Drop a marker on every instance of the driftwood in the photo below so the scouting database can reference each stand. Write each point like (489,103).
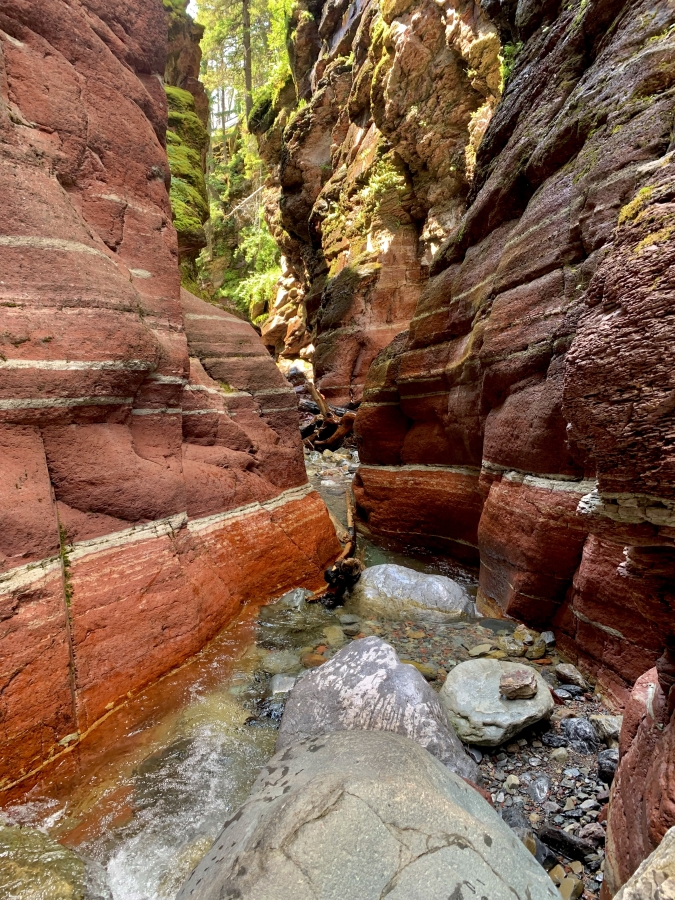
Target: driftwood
(330,426)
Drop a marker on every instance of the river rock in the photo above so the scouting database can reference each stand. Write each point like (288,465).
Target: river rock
(34,866)
(360,814)
(607,728)
(366,687)
(510,645)
(279,661)
(518,684)
(475,708)
(655,877)
(580,735)
(396,592)
(608,760)
(569,674)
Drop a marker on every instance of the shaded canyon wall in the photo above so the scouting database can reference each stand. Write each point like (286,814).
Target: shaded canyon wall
(487,265)
(151,472)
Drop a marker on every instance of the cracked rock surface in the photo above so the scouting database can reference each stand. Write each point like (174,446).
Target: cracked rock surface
(360,815)
(364,686)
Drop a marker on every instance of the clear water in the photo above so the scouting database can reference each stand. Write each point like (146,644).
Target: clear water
(146,793)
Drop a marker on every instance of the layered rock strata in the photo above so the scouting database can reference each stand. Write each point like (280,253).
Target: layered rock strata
(524,420)
(152,477)
(374,169)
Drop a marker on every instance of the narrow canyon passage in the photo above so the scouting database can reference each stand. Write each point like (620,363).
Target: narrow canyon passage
(336,449)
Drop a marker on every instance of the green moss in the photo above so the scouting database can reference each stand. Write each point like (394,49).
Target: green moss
(656,237)
(186,140)
(631,210)
(507,60)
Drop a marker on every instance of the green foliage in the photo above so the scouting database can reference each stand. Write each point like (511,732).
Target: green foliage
(255,270)
(507,60)
(223,52)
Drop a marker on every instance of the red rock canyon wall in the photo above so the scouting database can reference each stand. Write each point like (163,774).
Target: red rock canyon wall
(151,472)
(531,398)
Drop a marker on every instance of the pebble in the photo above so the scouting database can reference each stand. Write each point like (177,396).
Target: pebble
(312,660)
(480,650)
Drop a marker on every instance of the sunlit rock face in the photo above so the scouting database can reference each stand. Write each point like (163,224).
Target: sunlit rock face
(152,477)
(374,169)
(525,418)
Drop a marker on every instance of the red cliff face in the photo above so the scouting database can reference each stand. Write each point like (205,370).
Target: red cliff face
(151,472)
(525,419)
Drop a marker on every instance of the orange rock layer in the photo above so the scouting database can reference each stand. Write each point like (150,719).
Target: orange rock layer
(151,472)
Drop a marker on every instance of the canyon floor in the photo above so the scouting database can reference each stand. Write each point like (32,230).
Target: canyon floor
(144,797)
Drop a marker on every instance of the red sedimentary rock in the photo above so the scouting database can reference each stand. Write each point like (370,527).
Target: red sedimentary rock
(539,361)
(642,801)
(151,472)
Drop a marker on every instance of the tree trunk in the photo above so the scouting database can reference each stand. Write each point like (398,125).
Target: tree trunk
(248,74)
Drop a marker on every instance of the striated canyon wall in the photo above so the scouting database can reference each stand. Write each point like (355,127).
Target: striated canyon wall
(151,473)
(476,199)
(531,398)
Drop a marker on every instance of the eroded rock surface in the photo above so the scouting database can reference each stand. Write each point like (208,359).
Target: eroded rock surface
(525,416)
(151,473)
(365,687)
(395,592)
(477,711)
(359,815)
(655,877)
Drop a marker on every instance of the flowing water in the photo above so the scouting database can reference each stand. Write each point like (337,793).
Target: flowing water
(146,793)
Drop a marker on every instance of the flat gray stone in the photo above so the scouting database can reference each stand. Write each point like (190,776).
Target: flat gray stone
(366,687)
(396,592)
(476,710)
(361,815)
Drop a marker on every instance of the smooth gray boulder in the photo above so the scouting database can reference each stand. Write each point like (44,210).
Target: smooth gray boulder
(655,877)
(362,815)
(476,710)
(396,592)
(364,686)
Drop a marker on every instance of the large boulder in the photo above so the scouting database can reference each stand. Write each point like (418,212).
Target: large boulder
(396,592)
(477,711)
(359,815)
(655,878)
(365,687)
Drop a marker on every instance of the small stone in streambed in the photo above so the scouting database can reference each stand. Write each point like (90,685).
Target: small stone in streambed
(569,674)
(560,755)
(480,650)
(352,630)
(593,832)
(312,660)
(537,650)
(608,760)
(518,684)
(429,671)
(510,645)
(562,694)
(571,887)
(580,735)
(271,708)
(348,619)
(548,637)
(282,684)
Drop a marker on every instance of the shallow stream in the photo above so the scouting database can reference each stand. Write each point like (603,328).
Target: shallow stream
(146,793)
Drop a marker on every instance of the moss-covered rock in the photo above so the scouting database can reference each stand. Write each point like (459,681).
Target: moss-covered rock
(33,866)
(187,141)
